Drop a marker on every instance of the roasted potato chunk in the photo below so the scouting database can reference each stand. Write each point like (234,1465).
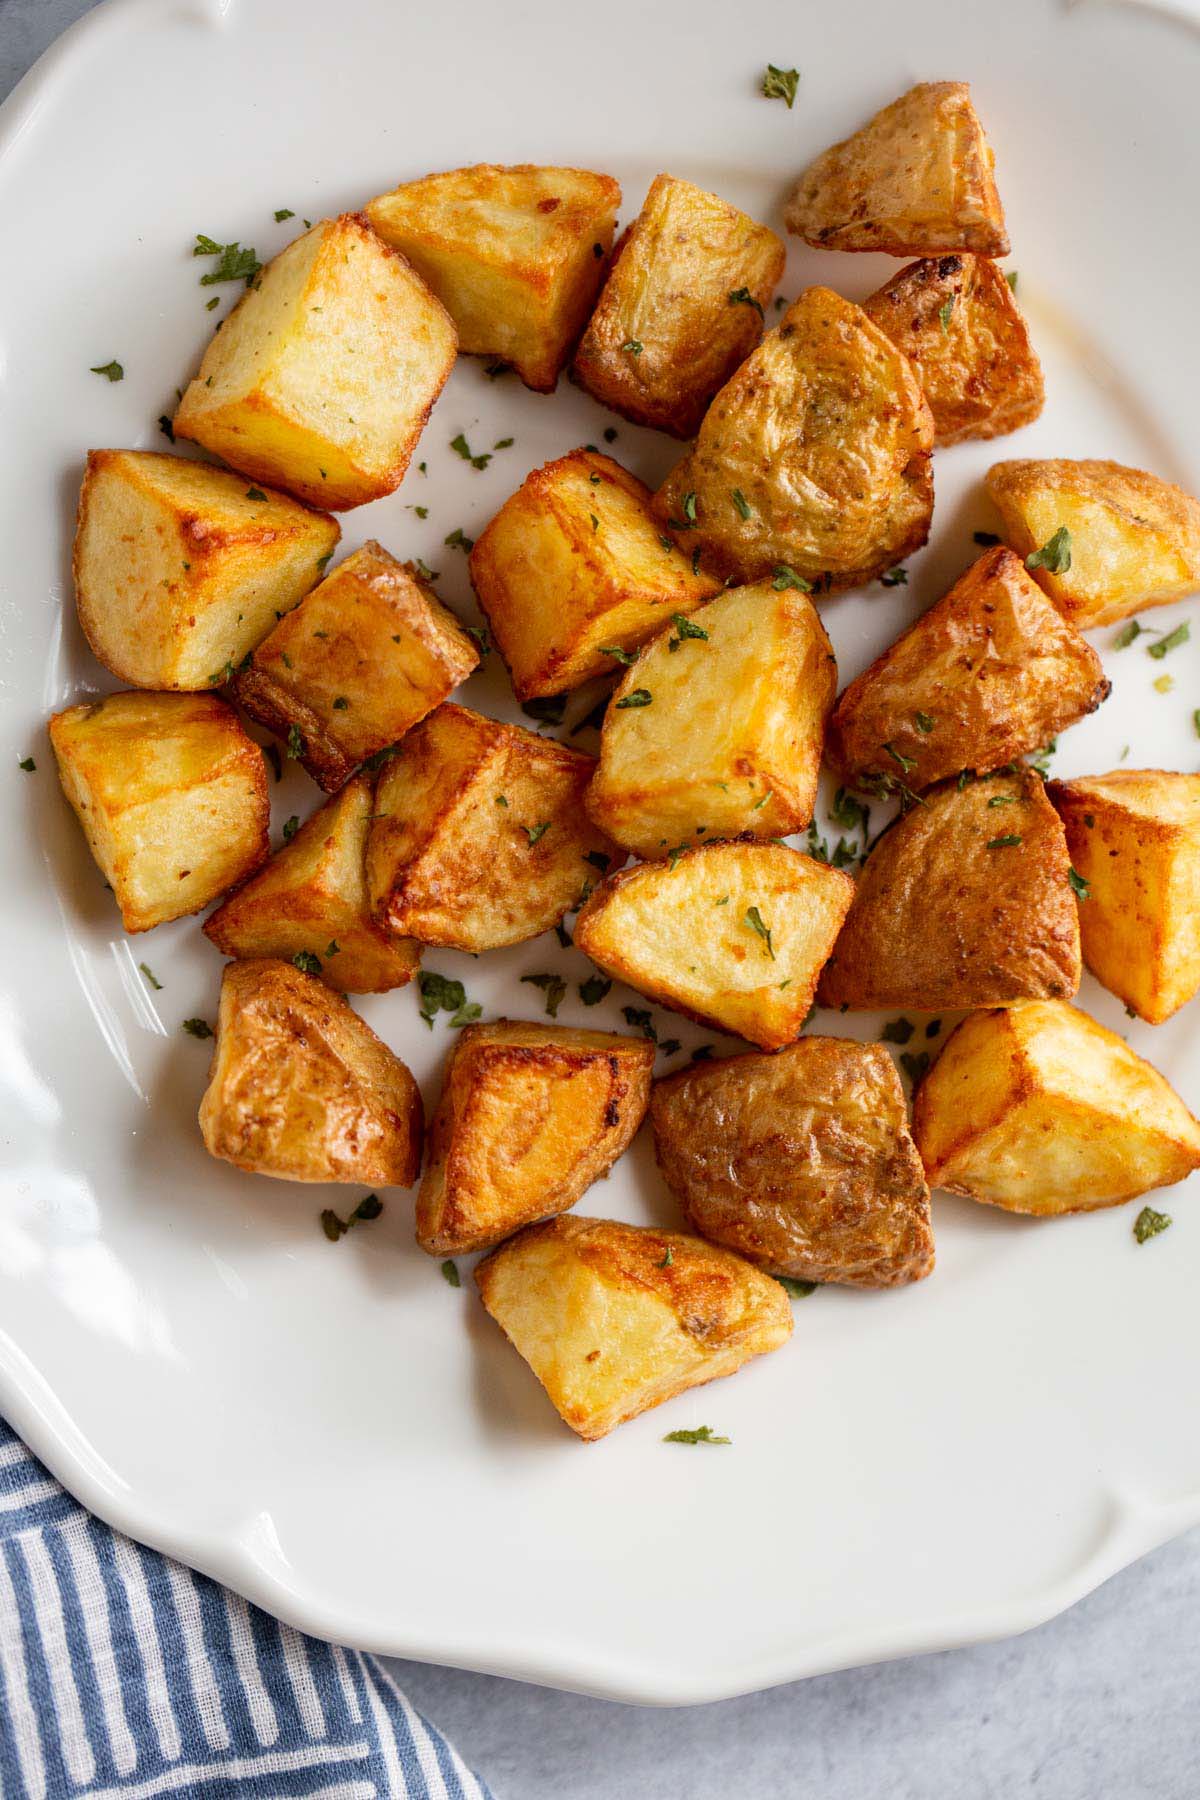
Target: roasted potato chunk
(172,797)
(988,674)
(515,255)
(965,901)
(301,1088)
(614,1319)
(356,665)
(1038,1109)
(800,1161)
(180,568)
(1131,540)
(682,307)
(530,1116)
(814,459)
(733,935)
(729,739)
(1134,839)
(915,180)
(323,375)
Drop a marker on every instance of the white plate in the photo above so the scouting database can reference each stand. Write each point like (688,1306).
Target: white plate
(330,1428)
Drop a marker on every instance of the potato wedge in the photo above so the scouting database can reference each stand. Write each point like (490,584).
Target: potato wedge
(1038,1109)
(682,307)
(915,180)
(614,1319)
(172,797)
(814,459)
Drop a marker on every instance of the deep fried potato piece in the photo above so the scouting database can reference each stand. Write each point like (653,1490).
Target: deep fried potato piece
(915,180)
(1133,540)
(530,1116)
(614,1319)
(814,458)
(1134,838)
(988,674)
(1038,1109)
(682,307)
(965,901)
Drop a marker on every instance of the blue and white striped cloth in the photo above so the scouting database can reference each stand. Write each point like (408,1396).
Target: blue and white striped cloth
(126,1677)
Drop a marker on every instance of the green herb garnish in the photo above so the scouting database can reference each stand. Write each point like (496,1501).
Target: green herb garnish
(1149,1223)
(1003,843)
(638,697)
(780,84)
(703,1434)
(234,263)
(754,920)
(897,1031)
(113,370)
(464,450)
(307,962)
(151,977)
(290,828)
(1082,887)
(198,1028)
(594,989)
(335,1228)
(743,297)
(554,988)
(798,1290)
(458,540)
(1172,641)
(740,502)
(1054,555)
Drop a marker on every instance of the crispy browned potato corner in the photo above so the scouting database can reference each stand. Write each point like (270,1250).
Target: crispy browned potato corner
(915,180)
(301,1088)
(682,307)
(180,568)
(355,665)
(1038,1109)
(1104,541)
(614,1319)
(530,1116)
(965,901)
(716,729)
(1134,842)
(322,377)
(731,934)
(172,797)
(813,464)
(990,673)
(957,321)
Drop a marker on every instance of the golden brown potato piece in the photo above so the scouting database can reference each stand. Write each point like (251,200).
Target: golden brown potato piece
(682,307)
(322,377)
(915,180)
(1134,838)
(1038,1109)
(172,797)
(180,568)
(530,1116)
(479,837)
(356,665)
(800,1161)
(814,459)
(573,565)
(733,935)
(515,255)
(729,740)
(1129,540)
(302,1089)
(614,1319)
(966,901)
(956,320)
(988,674)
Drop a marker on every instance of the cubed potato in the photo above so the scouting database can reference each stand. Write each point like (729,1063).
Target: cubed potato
(1134,838)
(957,321)
(322,377)
(915,180)
(479,837)
(573,565)
(530,1116)
(180,568)
(172,797)
(614,1319)
(301,1088)
(682,307)
(729,740)
(356,665)
(1131,540)
(990,673)
(515,255)
(965,901)
(801,1162)
(1038,1109)
(814,461)
(733,935)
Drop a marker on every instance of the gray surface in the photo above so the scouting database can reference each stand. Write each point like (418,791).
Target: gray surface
(1098,1705)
